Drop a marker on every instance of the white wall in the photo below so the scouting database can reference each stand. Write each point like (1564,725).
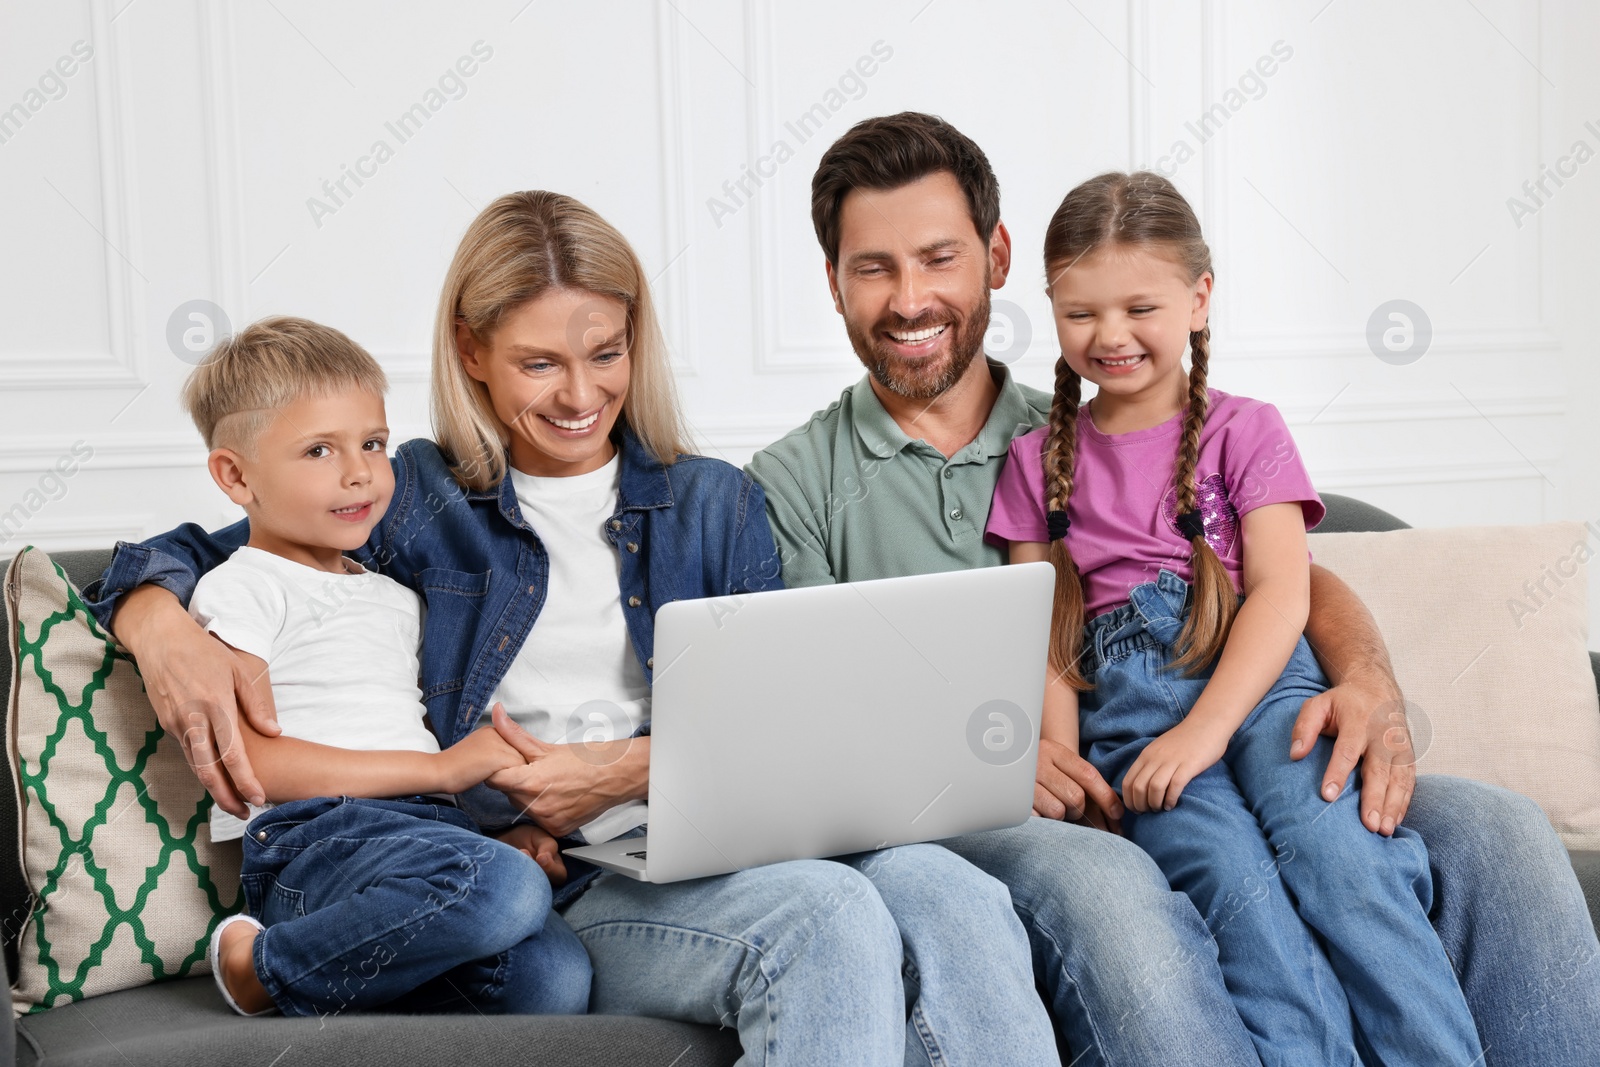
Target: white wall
(1376,162)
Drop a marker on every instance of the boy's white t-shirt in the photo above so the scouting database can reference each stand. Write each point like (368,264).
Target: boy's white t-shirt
(576,677)
(341,650)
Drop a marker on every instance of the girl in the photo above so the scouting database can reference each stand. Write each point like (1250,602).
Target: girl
(1161,501)
(560,507)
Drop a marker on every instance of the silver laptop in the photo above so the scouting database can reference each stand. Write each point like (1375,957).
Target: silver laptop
(802,723)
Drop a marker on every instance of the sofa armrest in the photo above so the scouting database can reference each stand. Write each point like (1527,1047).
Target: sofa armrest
(8,1040)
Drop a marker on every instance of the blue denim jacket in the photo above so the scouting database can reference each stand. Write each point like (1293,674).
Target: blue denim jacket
(697,528)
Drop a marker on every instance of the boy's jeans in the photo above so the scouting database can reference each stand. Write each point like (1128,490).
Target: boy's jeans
(401,903)
(1271,866)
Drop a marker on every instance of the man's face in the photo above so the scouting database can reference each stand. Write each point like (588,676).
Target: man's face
(913,281)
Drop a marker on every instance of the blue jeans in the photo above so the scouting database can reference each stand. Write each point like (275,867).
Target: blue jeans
(1124,962)
(1315,917)
(401,904)
(903,956)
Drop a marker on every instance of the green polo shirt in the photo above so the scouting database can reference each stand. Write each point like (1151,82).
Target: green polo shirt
(851,497)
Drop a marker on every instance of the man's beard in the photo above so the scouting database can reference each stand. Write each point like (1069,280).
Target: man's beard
(921,382)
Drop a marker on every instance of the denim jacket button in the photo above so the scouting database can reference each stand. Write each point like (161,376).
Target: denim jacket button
(261,835)
(634,602)
(633,546)
(616,524)
(651,663)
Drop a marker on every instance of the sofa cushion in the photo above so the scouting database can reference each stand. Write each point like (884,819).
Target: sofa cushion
(1488,630)
(184,1024)
(115,844)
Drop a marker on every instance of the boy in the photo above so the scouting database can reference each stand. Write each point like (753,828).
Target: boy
(352,903)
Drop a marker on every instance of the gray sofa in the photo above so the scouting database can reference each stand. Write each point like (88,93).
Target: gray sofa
(180,1023)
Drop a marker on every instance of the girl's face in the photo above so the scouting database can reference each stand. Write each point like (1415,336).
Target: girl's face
(557,372)
(1123,315)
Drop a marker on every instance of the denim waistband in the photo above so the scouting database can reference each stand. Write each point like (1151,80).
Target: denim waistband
(1151,618)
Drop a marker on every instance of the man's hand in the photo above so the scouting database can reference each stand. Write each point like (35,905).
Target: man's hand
(197,686)
(1366,718)
(564,786)
(538,846)
(1170,762)
(1068,787)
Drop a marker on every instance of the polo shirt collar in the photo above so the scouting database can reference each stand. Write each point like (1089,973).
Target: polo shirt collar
(884,437)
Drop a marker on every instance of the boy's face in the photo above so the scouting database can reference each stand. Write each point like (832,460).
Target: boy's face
(319,480)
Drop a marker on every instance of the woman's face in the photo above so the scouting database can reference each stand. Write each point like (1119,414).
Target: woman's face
(557,371)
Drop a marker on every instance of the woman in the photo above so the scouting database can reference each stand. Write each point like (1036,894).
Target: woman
(553,401)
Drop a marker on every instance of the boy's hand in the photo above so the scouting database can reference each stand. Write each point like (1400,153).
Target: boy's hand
(540,847)
(1170,762)
(475,758)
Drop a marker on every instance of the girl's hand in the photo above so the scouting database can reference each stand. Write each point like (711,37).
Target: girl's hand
(474,759)
(538,846)
(561,787)
(1169,763)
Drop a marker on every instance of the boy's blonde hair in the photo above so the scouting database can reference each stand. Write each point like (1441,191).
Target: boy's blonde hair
(519,248)
(235,392)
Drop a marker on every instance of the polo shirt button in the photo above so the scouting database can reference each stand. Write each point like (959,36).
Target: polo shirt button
(949,472)
(634,602)
(955,513)
(633,546)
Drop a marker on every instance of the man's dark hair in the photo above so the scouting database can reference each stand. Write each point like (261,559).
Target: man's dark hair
(895,150)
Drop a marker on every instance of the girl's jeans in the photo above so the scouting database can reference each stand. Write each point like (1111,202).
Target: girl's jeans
(402,904)
(1272,867)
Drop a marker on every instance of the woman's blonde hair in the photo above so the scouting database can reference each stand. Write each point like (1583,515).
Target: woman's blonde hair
(519,248)
(1140,210)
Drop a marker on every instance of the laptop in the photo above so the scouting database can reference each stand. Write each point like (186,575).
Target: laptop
(830,720)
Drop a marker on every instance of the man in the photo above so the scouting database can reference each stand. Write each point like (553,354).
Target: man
(896,478)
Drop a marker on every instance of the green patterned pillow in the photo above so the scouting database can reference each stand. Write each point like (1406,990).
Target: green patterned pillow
(116,845)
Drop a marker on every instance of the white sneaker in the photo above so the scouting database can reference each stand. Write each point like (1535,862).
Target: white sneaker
(216,970)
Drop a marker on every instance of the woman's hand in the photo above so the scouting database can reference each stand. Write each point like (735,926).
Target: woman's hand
(561,787)
(1170,762)
(197,686)
(537,846)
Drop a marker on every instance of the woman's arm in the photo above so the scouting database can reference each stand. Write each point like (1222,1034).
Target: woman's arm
(1265,631)
(1066,785)
(197,686)
(294,769)
(563,786)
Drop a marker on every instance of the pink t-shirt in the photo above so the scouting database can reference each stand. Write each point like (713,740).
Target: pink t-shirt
(1124,505)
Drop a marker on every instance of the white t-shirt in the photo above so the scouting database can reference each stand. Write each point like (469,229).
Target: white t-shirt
(576,677)
(341,649)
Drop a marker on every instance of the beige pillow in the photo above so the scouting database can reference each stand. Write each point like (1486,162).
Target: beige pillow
(115,841)
(1488,627)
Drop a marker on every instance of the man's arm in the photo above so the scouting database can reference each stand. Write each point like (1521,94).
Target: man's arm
(1364,711)
(801,541)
